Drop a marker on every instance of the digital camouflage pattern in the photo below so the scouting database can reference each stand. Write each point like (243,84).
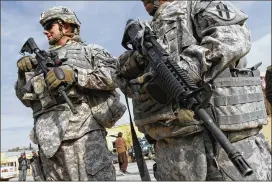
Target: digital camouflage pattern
(59,12)
(187,159)
(84,159)
(64,136)
(204,40)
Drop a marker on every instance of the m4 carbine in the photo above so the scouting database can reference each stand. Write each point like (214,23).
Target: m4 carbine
(178,85)
(44,63)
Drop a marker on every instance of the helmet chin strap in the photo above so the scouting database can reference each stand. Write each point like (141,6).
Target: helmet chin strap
(57,38)
(61,34)
(155,7)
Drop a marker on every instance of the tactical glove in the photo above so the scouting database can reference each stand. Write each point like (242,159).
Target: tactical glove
(54,80)
(131,64)
(27,63)
(186,115)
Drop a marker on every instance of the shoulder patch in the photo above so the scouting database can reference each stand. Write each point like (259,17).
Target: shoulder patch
(222,11)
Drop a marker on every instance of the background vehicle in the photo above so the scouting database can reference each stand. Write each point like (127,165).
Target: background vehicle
(114,156)
(7,172)
(147,149)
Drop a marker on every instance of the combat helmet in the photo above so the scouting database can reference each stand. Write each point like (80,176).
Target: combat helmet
(59,12)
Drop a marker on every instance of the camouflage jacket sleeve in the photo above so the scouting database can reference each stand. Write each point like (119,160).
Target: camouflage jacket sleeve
(18,86)
(123,80)
(268,81)
(104,66)
(222,35)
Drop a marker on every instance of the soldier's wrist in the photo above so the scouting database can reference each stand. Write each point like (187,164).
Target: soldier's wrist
(269,68)
(21,74)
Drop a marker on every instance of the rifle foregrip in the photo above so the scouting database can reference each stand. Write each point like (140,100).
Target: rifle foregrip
(182,73)
(171,83)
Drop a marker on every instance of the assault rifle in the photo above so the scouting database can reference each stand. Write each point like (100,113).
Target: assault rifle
(178,85)
(46,61)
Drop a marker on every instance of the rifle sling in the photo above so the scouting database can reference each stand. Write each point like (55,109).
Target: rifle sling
(136,145)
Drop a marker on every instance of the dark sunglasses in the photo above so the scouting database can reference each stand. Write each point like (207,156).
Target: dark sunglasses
(48,26)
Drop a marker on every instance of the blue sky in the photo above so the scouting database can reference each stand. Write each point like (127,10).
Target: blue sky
(103,24)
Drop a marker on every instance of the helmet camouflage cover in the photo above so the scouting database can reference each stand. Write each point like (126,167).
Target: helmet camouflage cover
(59,12)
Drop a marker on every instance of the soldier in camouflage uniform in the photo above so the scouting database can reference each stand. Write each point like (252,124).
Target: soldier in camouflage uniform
(209,39)
(72,146)
(268,81)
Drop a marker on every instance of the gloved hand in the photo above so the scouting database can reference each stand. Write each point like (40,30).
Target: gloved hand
(54,81)
(131,63)
(186,115)
(26,63)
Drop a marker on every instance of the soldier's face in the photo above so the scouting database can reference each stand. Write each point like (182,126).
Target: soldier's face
(148,6)
(51,30)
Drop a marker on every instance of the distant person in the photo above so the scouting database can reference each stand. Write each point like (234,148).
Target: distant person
(121,147)
(23,165)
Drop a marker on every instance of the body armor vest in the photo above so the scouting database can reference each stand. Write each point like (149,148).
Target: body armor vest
(75,54)
(238,101)
(105,106)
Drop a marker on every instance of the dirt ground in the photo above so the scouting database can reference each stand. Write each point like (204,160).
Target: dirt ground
(267,130)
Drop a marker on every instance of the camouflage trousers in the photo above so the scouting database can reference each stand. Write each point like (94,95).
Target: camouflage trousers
(184,159)
(83,159)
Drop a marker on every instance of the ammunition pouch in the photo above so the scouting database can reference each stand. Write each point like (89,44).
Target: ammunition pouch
(109,111)
(42,92)
(237,100)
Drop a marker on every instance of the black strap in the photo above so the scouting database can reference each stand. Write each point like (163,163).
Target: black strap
(136,146)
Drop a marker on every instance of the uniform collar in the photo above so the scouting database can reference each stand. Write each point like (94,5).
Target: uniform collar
(52,47)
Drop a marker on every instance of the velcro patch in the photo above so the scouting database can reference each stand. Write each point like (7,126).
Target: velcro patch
(222,11)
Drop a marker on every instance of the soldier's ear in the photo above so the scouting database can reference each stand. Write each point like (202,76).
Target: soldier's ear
(67,28)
